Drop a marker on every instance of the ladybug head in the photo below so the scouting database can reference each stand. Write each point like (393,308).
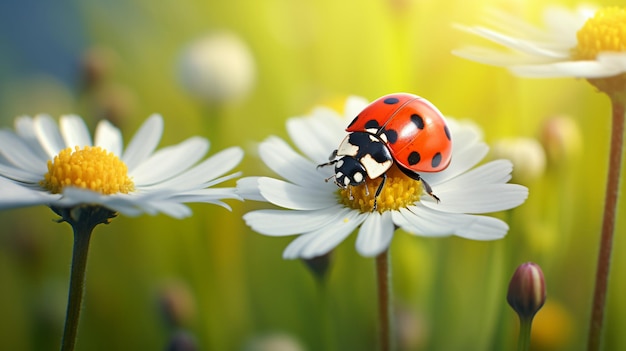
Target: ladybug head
(349,171)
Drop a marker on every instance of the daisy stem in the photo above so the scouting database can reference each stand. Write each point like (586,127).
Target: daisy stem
(608,226)
(384,305)
(82,235)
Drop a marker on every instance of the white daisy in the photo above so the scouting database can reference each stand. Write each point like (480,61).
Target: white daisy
(583,43)
(324,215)
(42,163)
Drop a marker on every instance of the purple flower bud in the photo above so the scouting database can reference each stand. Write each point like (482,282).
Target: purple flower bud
(527,290)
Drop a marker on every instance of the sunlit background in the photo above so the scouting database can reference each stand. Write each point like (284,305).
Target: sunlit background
(234,71)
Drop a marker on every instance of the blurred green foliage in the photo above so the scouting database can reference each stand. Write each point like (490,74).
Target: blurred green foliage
(232,284)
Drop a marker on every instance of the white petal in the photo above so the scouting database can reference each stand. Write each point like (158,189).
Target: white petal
(74,131)
(169,161)
(420,220)
(375,234)
(248,188)
(15,195)
(426,222)
(578,69)
(16,151)
(201,175)
(49,135)
(495,57)
(288,164)
(25,128)
(318,135)
(295,197)
(617,60)
(109,138)
(481,198)
(354,105)
(127,204)
(321,241)
(205,195)
(528,47)
(20,175)
(144,142)
(289,222)
(494,172)
(172,209)
(482,228)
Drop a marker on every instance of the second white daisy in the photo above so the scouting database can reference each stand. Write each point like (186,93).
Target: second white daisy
(323,215)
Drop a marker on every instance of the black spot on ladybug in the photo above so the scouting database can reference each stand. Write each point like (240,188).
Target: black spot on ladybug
(353,121)
(417,120)
(436,160)
(414,158)
(372,124)
(392,136)
(447,131)
(391,101)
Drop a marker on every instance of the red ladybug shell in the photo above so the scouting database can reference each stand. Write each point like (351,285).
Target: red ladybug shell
(413,129)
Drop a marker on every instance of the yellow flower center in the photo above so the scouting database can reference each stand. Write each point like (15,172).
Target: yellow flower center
(604,32)
(89,168)
(399,191)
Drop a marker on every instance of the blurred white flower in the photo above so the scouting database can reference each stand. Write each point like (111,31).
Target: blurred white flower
(583,43)
(527,155)
(324,215)
(217,68)
(42,163)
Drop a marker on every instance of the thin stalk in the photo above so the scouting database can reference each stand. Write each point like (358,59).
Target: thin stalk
(82,235)
(384,301)
(523,342)
(608,226)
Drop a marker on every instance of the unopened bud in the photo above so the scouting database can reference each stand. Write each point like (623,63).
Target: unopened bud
(319,265)
(527,290)
(561,138)
(177,303)
(182,341)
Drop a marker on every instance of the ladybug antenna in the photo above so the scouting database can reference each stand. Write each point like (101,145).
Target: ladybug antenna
(331,177)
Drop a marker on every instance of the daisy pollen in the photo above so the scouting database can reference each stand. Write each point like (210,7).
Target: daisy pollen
(605,32)
(399,191)
(90,168)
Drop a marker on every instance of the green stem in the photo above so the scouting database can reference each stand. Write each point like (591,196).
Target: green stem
(82,235)
(608,226)
(523,342)
(384,301)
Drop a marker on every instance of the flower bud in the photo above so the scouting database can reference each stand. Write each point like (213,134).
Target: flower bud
(177,303)
(527,290)
(561,138)
(319,265)
(182,341)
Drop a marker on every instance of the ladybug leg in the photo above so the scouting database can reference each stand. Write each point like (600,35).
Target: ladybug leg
(378,190)
(332,160)
(417,177)
(429,190)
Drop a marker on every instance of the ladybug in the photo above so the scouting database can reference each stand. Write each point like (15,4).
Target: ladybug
(401,128)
